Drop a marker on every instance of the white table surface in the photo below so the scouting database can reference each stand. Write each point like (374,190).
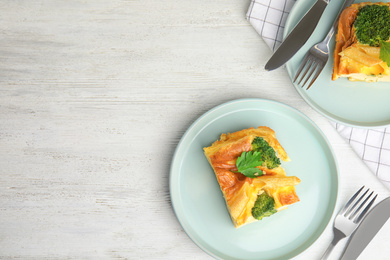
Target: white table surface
(94,98)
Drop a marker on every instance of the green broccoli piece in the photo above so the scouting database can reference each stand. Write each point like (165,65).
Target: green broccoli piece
(264,206)
(268,155)
(372,24)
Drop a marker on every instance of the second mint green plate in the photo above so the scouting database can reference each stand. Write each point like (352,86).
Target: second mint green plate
(198,202)
(358,104)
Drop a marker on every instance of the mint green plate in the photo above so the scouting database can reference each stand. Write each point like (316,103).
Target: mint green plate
(359,104)
(197,199)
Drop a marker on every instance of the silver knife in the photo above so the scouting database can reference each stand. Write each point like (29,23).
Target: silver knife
(367,230)
(298,36)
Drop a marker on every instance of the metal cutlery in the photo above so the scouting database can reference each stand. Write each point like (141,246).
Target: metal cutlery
(298,36)
(367,230)
(317,56)
(349,218)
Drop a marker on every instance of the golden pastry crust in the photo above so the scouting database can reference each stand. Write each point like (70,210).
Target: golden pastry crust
(240,192)
(354,60)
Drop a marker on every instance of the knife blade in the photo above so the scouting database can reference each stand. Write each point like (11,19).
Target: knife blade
(298,36)
(367,230)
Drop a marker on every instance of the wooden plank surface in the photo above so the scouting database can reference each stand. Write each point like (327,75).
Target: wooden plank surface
(94,98)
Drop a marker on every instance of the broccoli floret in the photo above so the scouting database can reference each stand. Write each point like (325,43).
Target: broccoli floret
(372,24)
(268,155)
(264,206)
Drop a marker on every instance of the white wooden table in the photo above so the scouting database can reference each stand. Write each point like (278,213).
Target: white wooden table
(94,97)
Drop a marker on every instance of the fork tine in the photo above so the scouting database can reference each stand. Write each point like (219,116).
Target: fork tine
(303,64)
(364,212)
(313,69)
(361,206)
(356,203)
(350,200)
(299,71)
(316,75)
(309,67)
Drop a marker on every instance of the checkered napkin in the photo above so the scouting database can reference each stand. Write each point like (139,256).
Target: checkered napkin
(372,145)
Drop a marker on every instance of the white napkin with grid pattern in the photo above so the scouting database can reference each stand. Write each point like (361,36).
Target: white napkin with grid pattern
(371,145)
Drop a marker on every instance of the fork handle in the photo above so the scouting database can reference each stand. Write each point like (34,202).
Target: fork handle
(338,235)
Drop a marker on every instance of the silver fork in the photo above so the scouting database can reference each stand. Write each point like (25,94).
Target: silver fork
(316,58)
(348,218)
